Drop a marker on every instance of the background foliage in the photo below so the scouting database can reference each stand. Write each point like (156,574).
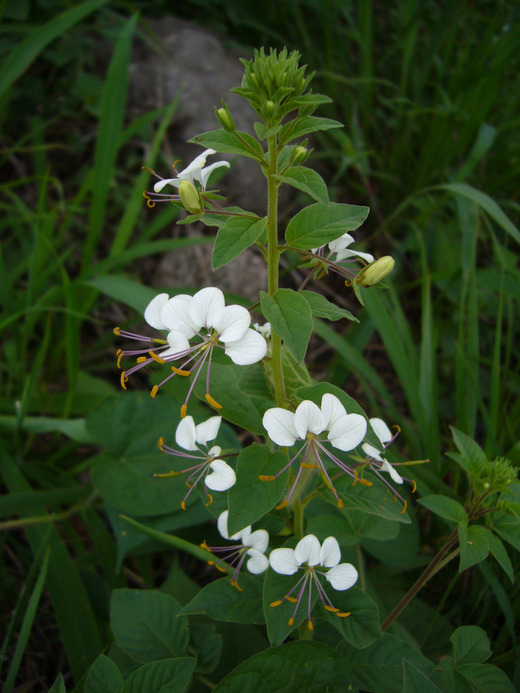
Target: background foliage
(429,94)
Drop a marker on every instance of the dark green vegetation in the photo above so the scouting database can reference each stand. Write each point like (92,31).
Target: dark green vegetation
(429,94)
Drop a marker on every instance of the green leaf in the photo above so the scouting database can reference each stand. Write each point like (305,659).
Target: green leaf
(303,667)
(290,317)
(486,678)
(250,498)
(445,507)
(379,667)
(231,143)
(414,681)
(72,428)
(361,628)
(104,677)
(473,453)
(307,180)
(319,224)
(236,235)
(166,676)
(223,602)
(147,625)
(58,686)
(470,645)
(352,527)
(474,545)
(498,550)
(207,644)
(323,308)
(304,126)
(508,527)
(374,500)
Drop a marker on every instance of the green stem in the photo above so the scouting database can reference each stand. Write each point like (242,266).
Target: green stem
(273,255)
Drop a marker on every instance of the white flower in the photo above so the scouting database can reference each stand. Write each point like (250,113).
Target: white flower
(195,171)
(217,474)
(385,436)
(265,330)
(309,556)
(341,247)
(206,317)
(252,546)
(342,263)
(343,431)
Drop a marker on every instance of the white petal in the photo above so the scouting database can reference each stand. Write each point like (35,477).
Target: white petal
(308,417)
(214,451)
(193,170)
(279,424)
(283,561)
(207,171)
(348,432)
(258,563)
(308,550)
(176,315)
(231,323)
(222,476)
(344,254)
(152,314)
(178,343)
(331,409)
(258,540)
(341,243)
(342,577)
(387,467)
(185,435)
(265,329)
(251,348)
(222,527)
(372,452)
(206,303)
(381,430)
(330,554)
(208,430)
(166,181)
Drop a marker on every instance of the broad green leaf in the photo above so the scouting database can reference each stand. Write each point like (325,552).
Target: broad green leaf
(236,235)
(104,677)
(350,528)
(471,451)
(399,551)
(307,180)
(486,678)
(250,498)
(165,676)
(207,644)
(147,625)
(295,374)
(445,507)
(319,224)
(374,500)
(470,645)
(303,667)
(58,686)
(290,317)
(361,628)
(323,308)
(379,667)
(231,143)
(473,544)
(304,126)
(508,527)
(414,681)
(498,550)
(223,602)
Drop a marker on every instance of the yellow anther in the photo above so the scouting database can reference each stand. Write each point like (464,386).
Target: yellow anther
(117,331)
(124,380)
(177,161)
(331,608)
(356,478)
(210,500)
(212,402)
(148,170)
(160,443)
(154,391)
(277,603)
(291,599)
(167,475)
(308,465)
(340,503)
(119,355)
(365,482)
(235,584)
(264,477)
(179,371)
(397,428)
(184,409)
(348,283)
(414,489)
(211,562)
(204,545)
(188,485)
(282,505)
(310,626)
(343,614)
(290,621)
(150,203)
(155,357)
(141,359)
(404,508)
(218,567)
(183,505)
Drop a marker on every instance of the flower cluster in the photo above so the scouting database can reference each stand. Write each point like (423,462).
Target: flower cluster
(217,474)
(203,316)
(311,557)
(316,426)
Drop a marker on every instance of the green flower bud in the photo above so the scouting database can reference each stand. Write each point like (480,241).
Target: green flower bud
(190,197)
(299,155)
(225,118)
(269,108)
(377,271)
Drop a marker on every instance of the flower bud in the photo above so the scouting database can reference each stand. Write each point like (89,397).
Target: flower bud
(190,197)
(269,108)
(225,118)
(375,272)
(299,155)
